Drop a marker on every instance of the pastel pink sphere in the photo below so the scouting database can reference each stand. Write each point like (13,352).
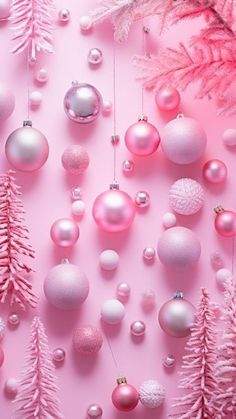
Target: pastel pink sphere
(229,137)
(64,232)
(142,138)
(214,171)
(7,100)
(176,317)
(75,159)
(225,223)
(183,140)
(179,248)
(113,211)
(87,340)
(1,356)
(167,98)
(125,397)
(66,286)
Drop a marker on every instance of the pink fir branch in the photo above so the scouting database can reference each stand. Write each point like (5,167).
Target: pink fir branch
(37,395)
(14,246)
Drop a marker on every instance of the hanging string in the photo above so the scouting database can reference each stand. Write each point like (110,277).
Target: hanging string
(115,137)
(233,255)
(112,355)
(27,86)
(145,32)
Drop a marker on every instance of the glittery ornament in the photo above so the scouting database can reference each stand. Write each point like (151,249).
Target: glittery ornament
(58,356)
(169,220)
(94,411)
(75,159)
(225,222)
(123,291)
(11,388)
(95,56)
(112,311)
(124,397)
(142,199)
(186,196)
(216,260)
(87,340)
(2,328)
(138,328)
(151,394)
(169,361)
(82,103)
(128,166)
(14,319)
(149,254)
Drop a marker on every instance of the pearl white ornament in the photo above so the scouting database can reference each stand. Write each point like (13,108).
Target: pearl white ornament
(95,56)
(2,328)
(78,208)
(85,23)
(106,107)
(58,356)
(64,16)
(112,311)
(169,220)
(169,361)
(109,259)
(148,300)
(76,194)
(149,253)
(138,328)
(41,75)
(222,275)
(123,291)
(142,199)
(151,394)
(11,387)
(13,319)
(35,98)
(128,166)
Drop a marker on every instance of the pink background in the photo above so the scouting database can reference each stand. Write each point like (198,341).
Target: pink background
(46,197)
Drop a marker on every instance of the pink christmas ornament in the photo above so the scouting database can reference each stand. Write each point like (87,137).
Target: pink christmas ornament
(142,199)
(138,328)
(109,259)
(225,222)
(5,8)
(179,248)
(13,320)
(183,140)
(169,220)
(94,411)
(64,16)
(11,388)
(169,361)
(95,58)
(142,138)
(1,356)
(167,98)
(58,356)
(151,394)
(75,159)
(27,148)
(87,340)
(112,311)
(186,196)
(78,208)
(149,254)
(114,210)
(229,137)
(66,286)
(35,99)
(176,316)
(41,75)
(124,397)
(82,103)
(85,23)
(128,166)
(106,107)
(123,291)
(214,171)
(7,99)
(64,232)
(222,276)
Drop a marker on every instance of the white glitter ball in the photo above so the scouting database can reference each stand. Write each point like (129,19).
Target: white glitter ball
(186,196)
(2,328)
(151,394)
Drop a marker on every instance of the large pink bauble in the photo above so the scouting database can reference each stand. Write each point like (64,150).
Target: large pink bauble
(7,99)
(82,103)
(27,148)
(176,317)
(186,196)
(87,340)
(113,211)
(183,140)
(225,222)
(179,248)
(64,232)
(125,397)
(142,138)
(214,171)
(75,159)
(66,286)
(167,98)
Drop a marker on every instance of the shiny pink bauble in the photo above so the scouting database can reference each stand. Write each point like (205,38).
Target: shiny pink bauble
(176,317)
(225,223)
(64,232)
(125,397)
(58,356)
(11,387)
(179,248)
(66,286)
(137,328)
(87,340)
(1,356)
(75,159)
(229,137)
(5,9)
(214,171)
(113,211)
(82,103)
(142,138)
(94,411)
(186,196)
(7,99)
(27,149)
(167,98)
(183,140)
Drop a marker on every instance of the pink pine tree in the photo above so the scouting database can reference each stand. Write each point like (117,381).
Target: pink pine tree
(199,366)
(14,246)
(37,390)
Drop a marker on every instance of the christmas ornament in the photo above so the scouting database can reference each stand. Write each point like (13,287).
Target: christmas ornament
(114,210)
(217,261)
(64,232)
(186,196)
(225,222)
(66,286)
(75,159)
(7,99)
(169,361)
(95,57)
(123,291)
(229,137)
(1,356)
(94,411)
(179,248)
(128,166)
(112,311)
(169,220)
(214,171)
(37,389)
(124,397)
(64,16)
(41,75)
(151,394)
(176,316)
(138,328)
(2,329)
(222,276)
(11,388)
(167,98)
(87,340)
(106,107)
(78,208)
(13,320)
(109,259)
(34,33)
(183,140)
(148,300)
(27,148)
(142,138)
(35,99)
(82,103)
(58,356)
(76,193)
(85,23)
(149,254)
(14,247)
(142,199)
(5,7)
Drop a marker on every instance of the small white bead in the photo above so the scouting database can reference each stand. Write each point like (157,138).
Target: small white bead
(222,275)
(78,208)
(169,220)
(85,23)
(35,98)
(109,259)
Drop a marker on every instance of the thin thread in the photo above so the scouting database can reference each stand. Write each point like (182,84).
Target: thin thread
(114,110)
(28,89)
(233,255)
(112,353)
(144,53)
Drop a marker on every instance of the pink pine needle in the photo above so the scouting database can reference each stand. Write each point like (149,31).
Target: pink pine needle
(14,247)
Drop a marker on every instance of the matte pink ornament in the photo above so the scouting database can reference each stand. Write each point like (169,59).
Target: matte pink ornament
(167,98)
(11,388)
(5,8)
(66,286)
(7,100)
(64,232)
(142,138)
(214,171)
(183,140)
(125,397)
(75,159)
(179,248)
(225,222)
(87,340)
(1,356)
(82,103)
(186,196)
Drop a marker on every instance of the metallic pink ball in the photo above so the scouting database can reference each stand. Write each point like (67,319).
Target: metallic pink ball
(5,9)
(58,356)
(123,291)
(169,361)
(142,138)
(137,328)
(82,103)
(142,199)
(167,98)
(149,253)
(14,320)
(225,222)
(214,171)
(11,387)
(64,16)
(114,211)
(1,356)
(27,148)
(87,340)
(64,232)
(41,75)
(125,397)
(7,100)
(229,137)
(106,107)
(75,159)
(94,411)
(128,166)
(95,56)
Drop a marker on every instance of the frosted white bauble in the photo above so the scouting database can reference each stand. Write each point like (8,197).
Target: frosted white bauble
(151,394)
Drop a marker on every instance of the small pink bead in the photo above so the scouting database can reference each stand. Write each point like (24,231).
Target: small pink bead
(58,356)
(169,361)
(137,328)
(41,75)
(14,319)
(35,99)
(94,411)
(64,15)
(123,291)
(169,220)
(64,232)
(85,23)
(128,166)
(11,388)
(149,253)
(217,261)
(106,107)
(229,137)
(95,56)
(214,171)
(167,98)
(142,199)
(1,356)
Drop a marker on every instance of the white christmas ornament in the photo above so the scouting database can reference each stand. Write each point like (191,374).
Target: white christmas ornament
(112,311)
(151,394)
(2,328)
(109,259)
(186,196)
